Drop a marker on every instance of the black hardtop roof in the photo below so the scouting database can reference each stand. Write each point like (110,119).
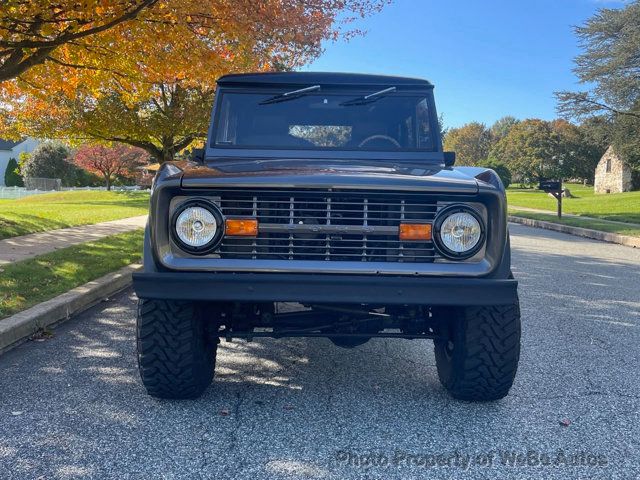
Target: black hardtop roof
(320,78)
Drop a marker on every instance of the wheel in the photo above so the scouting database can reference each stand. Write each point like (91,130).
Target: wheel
(175,358)
(478,361)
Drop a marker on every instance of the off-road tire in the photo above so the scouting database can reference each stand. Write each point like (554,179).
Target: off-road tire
(175,358)
(480,359)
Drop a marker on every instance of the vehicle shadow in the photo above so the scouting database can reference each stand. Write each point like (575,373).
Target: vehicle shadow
(73,406)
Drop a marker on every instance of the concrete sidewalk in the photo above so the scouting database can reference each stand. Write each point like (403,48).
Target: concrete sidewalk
(16,249)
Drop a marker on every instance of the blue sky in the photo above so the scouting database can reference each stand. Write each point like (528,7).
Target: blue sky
(487,58)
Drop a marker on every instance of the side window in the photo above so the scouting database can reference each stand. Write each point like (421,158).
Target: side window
(423,126)
(227,125)
(410,130)
(608,165)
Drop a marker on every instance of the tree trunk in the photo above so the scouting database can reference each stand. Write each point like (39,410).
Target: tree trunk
(167,155)
(108,180)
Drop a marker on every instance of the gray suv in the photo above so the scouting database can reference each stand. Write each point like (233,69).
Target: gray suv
(333,191)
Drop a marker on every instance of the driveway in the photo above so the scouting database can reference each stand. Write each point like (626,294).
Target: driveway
(72,406)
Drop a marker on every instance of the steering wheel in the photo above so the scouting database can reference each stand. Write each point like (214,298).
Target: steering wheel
(380,137)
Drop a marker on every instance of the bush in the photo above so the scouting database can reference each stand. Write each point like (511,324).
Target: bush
(48,160)
(11,176)
(84,178)
(500,168)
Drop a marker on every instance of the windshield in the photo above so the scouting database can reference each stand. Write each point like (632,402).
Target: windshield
(325,121)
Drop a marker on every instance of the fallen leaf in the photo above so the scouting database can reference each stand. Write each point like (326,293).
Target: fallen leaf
(16,413)
(224,412)
(565,422)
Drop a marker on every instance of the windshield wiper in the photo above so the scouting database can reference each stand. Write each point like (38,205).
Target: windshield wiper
(283,97)
(372,97)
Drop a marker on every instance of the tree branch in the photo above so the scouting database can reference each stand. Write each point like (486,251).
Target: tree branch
(68,36)
(580,104)
(87,67)
(15,64)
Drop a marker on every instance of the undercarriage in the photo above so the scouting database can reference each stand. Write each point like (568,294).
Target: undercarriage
(345,325)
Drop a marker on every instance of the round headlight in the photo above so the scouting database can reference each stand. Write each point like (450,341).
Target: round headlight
(198,226)
(459,232)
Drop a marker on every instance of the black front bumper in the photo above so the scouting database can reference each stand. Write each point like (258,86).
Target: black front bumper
(322,288)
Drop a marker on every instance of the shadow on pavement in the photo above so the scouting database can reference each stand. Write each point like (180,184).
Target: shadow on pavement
(73,406)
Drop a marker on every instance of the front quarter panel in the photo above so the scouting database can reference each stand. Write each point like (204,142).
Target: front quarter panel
(167,180)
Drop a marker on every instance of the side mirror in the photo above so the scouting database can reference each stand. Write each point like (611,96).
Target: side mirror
(449,159)
(197,155)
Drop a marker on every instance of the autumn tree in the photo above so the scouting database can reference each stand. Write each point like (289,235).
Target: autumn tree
(149,81)
(34,31)
(162,125)
(471,142)
(530,150)
(111,162)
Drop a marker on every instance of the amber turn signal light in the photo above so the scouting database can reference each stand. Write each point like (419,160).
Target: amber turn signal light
(415,231)
(241,227)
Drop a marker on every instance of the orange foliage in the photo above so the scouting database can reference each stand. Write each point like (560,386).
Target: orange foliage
(116,43)
(80,58)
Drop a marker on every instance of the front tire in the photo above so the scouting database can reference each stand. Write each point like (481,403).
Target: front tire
(175,358)
(478,361)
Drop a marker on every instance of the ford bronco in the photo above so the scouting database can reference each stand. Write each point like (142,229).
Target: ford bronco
(331,191)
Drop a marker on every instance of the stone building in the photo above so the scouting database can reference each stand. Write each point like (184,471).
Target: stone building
(612,174)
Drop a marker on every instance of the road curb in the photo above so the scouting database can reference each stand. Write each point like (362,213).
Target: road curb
(579,231)
(19,327)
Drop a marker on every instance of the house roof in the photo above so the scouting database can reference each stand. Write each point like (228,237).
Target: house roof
(320,78)
(9,144)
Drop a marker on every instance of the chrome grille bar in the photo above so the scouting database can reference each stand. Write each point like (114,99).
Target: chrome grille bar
(328,225)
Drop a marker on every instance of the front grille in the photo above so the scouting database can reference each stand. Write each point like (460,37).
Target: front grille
(328,226)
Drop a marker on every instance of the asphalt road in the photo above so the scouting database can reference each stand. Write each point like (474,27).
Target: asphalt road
(72,406)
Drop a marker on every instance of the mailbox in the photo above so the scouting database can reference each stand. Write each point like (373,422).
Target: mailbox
(550,186)
(554,187)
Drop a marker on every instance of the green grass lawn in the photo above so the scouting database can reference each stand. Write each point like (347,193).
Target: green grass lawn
(24,284)
(622,207)
(48,211)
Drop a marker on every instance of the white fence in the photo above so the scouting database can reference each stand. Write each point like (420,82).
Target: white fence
(19,192)
(119,188)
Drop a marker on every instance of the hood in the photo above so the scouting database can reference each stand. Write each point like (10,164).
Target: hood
(306,173)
